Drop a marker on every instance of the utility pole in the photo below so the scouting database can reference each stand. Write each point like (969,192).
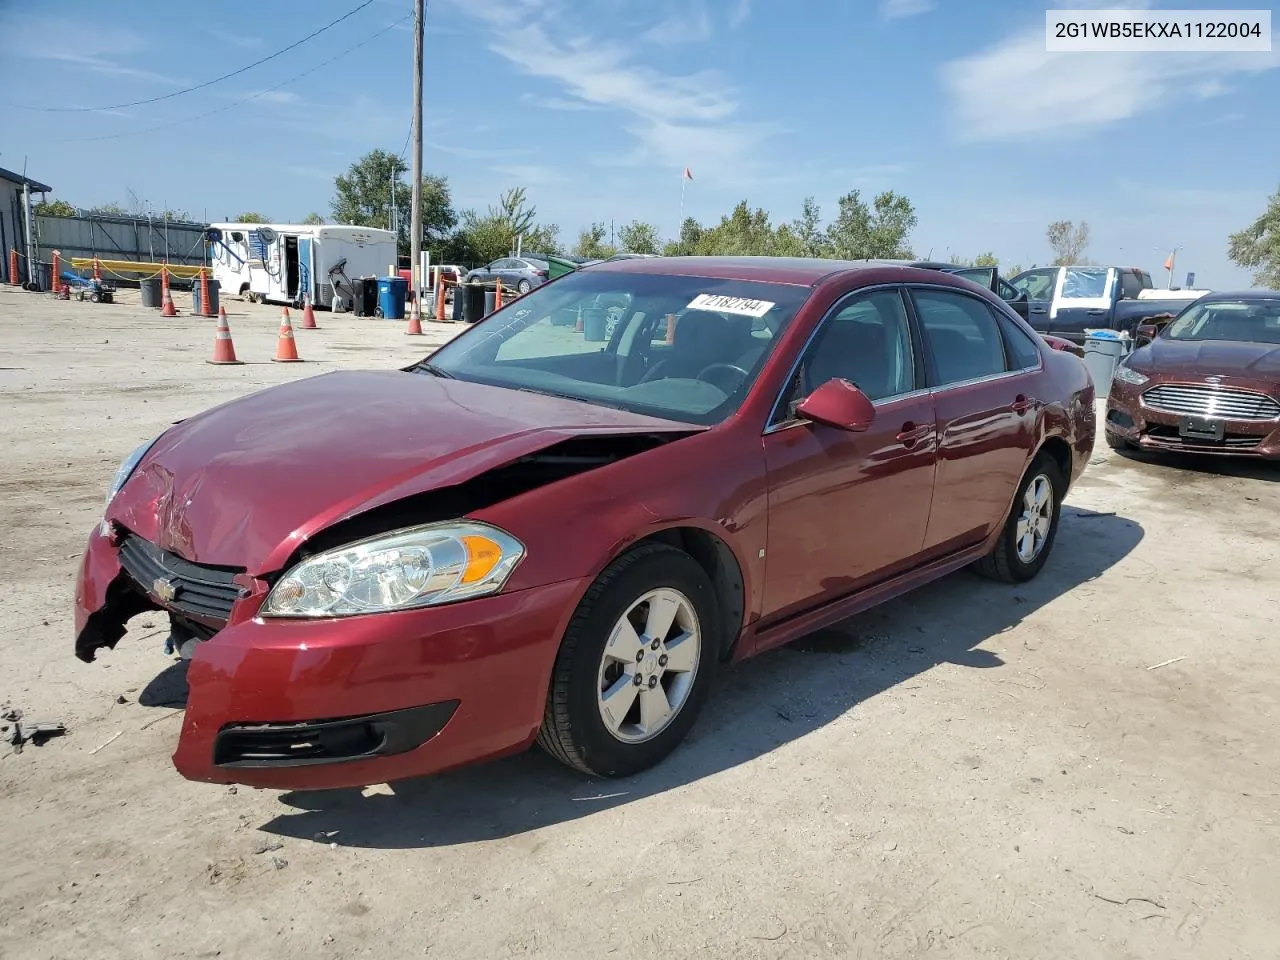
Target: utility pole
(415,240)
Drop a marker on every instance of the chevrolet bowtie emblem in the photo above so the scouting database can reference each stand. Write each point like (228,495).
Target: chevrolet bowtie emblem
(164,588)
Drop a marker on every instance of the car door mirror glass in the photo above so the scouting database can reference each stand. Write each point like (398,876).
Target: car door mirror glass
(1146,332)
(838,403)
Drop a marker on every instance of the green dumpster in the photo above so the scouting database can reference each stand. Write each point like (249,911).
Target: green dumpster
(558,267)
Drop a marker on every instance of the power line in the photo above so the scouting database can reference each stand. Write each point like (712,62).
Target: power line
(242,100)
(207,83)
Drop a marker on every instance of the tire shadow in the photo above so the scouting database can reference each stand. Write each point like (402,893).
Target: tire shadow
(760,704)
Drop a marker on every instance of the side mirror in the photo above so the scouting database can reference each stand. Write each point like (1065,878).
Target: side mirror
(838,403)
(1146,332)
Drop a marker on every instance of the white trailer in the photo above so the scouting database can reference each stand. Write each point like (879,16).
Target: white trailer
(284,262)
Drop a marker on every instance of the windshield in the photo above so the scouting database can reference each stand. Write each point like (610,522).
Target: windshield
(1037,285)
(1250,321)
(1079,284)
(680,348)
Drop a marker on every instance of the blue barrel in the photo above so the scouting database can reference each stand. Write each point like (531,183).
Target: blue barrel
(392,293)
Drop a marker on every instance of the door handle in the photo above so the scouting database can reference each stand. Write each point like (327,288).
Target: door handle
(1097,313)
(912,433)
(1022,403)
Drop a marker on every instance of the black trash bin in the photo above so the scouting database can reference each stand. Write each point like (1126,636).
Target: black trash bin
(473,309)
(152,295)
(364,292)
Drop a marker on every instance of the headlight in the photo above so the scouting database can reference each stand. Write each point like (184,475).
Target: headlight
(127,468)
(417,567)
(1129,375)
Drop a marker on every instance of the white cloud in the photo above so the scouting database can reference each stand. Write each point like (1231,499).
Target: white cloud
(677,119)
(898,9)
(738,15)
(691,27)
(99,65)
(532,175)
(556,103)
(1065,94)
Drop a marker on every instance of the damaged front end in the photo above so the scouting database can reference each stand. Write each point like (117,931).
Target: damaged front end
(124,574)
(141,577)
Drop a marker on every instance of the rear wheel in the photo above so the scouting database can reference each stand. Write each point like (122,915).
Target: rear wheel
(1027,539)
(524,287)
(635,665)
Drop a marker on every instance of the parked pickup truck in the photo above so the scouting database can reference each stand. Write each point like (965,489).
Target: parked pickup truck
(1066,301)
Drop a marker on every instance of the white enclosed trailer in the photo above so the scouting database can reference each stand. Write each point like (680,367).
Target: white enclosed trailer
(284,262)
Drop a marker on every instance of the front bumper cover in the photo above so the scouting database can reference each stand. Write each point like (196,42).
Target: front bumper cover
(361,700)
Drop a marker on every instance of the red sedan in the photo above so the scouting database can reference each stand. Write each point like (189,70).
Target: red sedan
(1207,383)
(561,524)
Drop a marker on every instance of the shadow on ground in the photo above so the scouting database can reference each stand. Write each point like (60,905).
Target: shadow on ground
(760,705)
(1208,465)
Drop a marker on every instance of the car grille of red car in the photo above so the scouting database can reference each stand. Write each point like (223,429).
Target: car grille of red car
(1204,400)
(197,590)
(1231,441)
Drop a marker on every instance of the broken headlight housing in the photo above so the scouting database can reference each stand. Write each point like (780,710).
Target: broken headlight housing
(126,469)
(407,569)
(1126,374)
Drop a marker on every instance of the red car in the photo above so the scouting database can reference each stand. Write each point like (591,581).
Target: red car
(1208,382)
(547,532)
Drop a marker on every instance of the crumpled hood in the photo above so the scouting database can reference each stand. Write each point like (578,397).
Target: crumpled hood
(243,484)
(1206,358)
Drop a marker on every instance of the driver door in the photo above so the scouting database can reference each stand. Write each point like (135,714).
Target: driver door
(849,509)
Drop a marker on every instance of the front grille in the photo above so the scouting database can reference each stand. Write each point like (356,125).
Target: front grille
(199,591)
(1204,400)
(1231,441)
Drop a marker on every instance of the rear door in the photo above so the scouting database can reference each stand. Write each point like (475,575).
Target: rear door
(985,410)
(848,509)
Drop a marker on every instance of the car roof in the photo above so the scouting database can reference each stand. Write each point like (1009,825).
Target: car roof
(1239,295)
(799,271)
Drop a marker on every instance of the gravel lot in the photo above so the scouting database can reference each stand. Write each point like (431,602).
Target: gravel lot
(977,770)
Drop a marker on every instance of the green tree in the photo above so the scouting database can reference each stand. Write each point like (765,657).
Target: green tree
(987,259)
(639,237)
(1067,241)
(313,218)
(879,231)
(1257,246)
(687,244)
(54,208)
(808,230)
(485,237)
(363,196)
(591,243)
(251,217)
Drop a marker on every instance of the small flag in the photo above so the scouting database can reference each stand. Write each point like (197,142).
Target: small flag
(687,174)
(1168,264)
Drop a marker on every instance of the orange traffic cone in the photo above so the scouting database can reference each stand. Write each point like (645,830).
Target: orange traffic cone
(308,316)
(415,320)
(284,315)
(224,350)
(286,348)
(167,308)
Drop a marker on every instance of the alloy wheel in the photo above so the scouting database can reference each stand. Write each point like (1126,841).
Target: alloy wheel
(649,665)
(1036,518)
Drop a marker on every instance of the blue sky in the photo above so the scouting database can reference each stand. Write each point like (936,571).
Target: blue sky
(596,107)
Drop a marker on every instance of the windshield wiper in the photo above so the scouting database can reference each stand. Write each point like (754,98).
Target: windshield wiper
(427,367)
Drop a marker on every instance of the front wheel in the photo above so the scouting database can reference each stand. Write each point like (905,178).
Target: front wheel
(635,665)
(1029,533)
(1117,442)
(523,287)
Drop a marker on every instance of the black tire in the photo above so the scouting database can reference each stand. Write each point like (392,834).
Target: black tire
(1117,442)
(523,287)
(1003,562)
(572,730)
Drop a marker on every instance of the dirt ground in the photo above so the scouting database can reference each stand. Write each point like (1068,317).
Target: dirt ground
(977,770)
